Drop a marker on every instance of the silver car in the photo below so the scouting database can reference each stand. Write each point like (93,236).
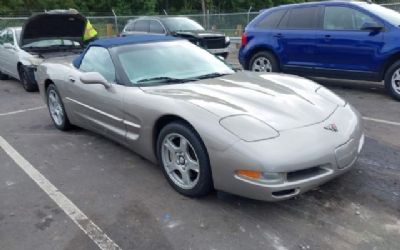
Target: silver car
(260,135)
(14,61)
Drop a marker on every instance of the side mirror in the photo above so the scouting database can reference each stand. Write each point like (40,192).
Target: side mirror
(9,46)
(94,78)
(372,27)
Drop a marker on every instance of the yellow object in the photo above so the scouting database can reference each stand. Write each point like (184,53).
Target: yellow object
(249,174)
(90,32)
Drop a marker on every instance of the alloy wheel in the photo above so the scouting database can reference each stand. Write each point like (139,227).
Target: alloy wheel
(396,81)
(261,64)
(180,161)
(55,107)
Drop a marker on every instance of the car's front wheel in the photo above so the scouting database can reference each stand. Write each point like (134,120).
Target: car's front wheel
(392,80)
(56,109)
(184,160)
(27,82)
(264,61)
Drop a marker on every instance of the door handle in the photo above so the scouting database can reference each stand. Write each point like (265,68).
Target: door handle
(71,79)
(279,35)
(327,38)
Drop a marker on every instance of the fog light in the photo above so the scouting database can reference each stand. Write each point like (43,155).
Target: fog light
(272,177)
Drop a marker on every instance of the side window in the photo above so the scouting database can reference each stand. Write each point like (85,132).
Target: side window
(272,20)
(142,25)
(344,18)
(301,18)
(98,59)
(130,26)
(155,27)
(9,38)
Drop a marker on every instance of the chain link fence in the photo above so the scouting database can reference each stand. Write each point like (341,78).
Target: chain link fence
(231,24)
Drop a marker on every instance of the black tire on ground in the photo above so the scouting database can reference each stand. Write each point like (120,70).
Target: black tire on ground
(205,184)
(27,82)
(3,76)
(267,56)
(393,87)
(65,124)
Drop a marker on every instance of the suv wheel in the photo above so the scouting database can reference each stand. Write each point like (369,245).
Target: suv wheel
(264,61)
(392,80)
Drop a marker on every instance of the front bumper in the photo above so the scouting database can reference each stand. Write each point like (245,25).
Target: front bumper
(307,157)
(224,51)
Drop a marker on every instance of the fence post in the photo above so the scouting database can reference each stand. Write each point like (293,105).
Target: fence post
(248,14)
(116,21)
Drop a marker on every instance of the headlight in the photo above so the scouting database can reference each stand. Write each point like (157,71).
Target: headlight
(330,96)
(248,128)
(227,39)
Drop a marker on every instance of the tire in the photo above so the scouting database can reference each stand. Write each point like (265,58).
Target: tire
(28,84)
(392,80)
(178,163)
(56,109)
(263,61)
(3,76)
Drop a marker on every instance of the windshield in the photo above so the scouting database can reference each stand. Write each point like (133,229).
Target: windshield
(389,15)
(165,62)
(181,24)
(52,43)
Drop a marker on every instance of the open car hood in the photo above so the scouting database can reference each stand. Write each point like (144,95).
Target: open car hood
(56,24)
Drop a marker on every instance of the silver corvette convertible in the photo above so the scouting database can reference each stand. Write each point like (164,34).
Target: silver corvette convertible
(264,136)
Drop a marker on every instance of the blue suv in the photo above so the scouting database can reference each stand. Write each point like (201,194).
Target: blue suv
(338,39)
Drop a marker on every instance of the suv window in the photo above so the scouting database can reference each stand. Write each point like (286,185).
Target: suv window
(301,18)
(98,59)
(272,20)
(142,25)
(344,18)
(155,27)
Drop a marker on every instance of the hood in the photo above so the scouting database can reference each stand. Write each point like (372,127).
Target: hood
(57,24)
(198,33)
(282,101)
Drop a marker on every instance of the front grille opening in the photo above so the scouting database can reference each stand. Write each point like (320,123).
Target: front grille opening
(305,173)
(284,192)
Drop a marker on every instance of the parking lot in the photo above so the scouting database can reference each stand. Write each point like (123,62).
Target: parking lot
(133,206)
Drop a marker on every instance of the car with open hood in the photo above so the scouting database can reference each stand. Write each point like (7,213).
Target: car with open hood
(49,34)
(14,61)
(215,42)
(260,135)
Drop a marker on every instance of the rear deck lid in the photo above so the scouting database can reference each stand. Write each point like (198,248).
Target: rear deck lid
(57,27)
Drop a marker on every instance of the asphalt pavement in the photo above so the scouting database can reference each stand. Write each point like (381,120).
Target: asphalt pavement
(130,202)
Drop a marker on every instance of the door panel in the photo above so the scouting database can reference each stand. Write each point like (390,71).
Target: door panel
(97,107)
(297,37)
(94,105)
(343,45)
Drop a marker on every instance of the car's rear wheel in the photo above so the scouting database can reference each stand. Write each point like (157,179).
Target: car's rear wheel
(184,160)
(28,84)
(392,80)
(264,61)
(56,109)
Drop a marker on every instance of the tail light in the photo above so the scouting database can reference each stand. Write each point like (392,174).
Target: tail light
(244,39)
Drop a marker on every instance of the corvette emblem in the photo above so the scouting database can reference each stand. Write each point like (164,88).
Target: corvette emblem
(332,127)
